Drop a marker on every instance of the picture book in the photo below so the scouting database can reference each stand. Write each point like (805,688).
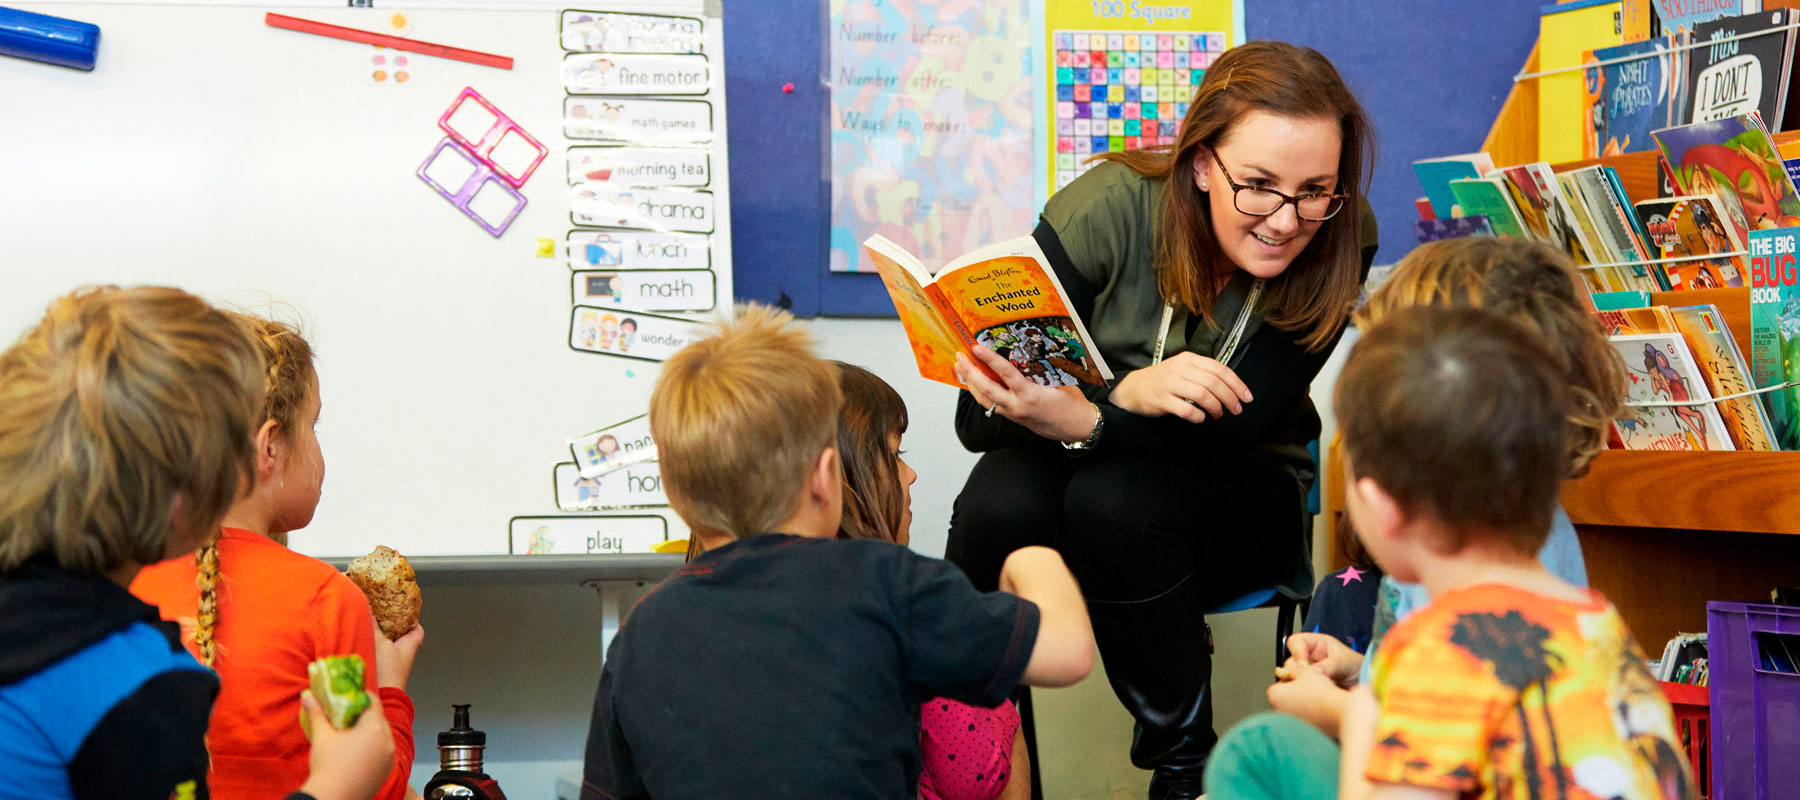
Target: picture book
(1435,174)
(1726,374)
(1566,34)
(1728,76)
(1613,301)
(1659,369)
(1431,230)
(1683,227)
(1640,239)
(1628,99)
(1596,279)
(1636,320)
(1735,159)
(1775,327)
(1487,198)
(1004,296)
(1680,16)
(1535,187)
(1594,189)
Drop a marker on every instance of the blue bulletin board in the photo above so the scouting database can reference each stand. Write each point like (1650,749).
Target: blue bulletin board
(1430,88)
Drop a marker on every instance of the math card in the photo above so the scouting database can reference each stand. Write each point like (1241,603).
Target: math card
(595,205)
(635,486)
(586,535)
(612,32)
(636,73)
(624,119)
(646,290)
(630,334)
(640,166)
(630,250)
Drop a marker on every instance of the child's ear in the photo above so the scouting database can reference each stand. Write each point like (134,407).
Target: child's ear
(827,485)
(268,449)
(1382,515)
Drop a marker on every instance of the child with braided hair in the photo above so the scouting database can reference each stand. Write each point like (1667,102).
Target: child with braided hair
(258,613)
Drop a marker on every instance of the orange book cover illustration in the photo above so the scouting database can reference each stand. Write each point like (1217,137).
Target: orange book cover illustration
(1004,296)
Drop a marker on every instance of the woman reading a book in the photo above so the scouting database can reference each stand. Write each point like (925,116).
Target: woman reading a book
(1219,272)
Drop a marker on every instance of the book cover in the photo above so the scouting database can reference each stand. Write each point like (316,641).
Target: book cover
(1485,197)
(1432,230)
(1680,16)
(1688,226)
(1566,34)
(1614,301)
(1004,296)
(1435,174)
(1726,374)
(1533,206)
(1615,236)
(1729,76)
(1775,328)
(1596,279)
(1640,274)
(1636,320)
(1659,369)
(1735,159)
(1629,99)
(1538,184)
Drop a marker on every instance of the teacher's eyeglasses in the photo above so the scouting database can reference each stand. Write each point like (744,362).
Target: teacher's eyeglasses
(1261,201)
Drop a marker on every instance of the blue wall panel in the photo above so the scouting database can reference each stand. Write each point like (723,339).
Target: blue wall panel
(1432,74)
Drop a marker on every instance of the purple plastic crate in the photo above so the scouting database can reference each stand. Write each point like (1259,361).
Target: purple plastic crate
(1755,710)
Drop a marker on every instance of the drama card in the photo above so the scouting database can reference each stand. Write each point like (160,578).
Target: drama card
(586,535)
(658,210)
(658,290)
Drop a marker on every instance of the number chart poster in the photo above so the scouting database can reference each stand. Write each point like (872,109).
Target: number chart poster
(1118,75)
(931,126)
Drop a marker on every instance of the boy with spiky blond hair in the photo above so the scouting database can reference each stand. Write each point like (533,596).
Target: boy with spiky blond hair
(781,661)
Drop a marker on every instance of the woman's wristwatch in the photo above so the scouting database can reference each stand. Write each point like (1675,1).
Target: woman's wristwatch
(1093,435)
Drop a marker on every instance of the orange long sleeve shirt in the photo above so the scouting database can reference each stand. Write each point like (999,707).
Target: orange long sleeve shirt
(278,611)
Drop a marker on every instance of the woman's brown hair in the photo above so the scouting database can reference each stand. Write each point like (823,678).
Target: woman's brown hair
(1317,291)
(873,503)
(1537,287)
(123,413)
(289,378)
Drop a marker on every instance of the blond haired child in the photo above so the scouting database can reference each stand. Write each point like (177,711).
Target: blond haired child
(1511,682)
(258,612)
(782,662)
(125,418)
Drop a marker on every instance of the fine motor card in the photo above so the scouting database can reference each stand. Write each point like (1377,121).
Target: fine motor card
(635,486)
(634,250)
(636,73)
(649,290)
(587,534)
(628,334)
(613,447)
(1004,296)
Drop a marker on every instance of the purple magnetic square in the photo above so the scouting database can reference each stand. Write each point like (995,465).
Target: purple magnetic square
(480,175)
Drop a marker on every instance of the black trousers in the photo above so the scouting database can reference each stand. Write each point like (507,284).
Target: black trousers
(1132,526)
(1154,542)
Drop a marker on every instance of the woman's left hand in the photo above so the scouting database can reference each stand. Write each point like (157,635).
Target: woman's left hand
(1061,413)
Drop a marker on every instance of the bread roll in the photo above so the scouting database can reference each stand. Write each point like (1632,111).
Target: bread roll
(386,577)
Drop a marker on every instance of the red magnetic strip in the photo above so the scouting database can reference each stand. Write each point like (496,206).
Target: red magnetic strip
(384,40)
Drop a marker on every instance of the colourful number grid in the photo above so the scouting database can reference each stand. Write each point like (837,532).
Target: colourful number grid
(1120,91)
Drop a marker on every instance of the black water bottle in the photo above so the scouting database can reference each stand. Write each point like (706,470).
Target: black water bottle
(459,762)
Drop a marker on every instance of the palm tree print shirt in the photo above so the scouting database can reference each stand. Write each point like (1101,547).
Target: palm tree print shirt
(1493,691)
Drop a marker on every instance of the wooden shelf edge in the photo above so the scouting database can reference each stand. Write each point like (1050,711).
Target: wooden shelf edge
(1710,491)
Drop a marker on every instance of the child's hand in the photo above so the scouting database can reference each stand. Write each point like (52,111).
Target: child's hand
(349,764)
(1305,692)
(1330,656)
(394,660)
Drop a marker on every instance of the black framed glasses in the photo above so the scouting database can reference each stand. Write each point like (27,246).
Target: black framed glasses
(1261,201)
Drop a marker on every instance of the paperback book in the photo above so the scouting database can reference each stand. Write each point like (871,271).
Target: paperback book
(1659,369)
(1005,296)
(1735,159)
(1775,328)
(1685,227)
(1726,373)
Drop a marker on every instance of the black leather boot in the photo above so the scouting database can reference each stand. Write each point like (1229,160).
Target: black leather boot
(1158,657)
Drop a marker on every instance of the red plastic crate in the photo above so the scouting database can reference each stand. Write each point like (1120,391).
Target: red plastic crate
(1693,723)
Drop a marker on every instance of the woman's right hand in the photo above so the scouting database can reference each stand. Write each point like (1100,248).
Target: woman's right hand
(1326,654)
(1192,387)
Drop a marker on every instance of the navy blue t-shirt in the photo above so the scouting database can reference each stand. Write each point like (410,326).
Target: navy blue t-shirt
(779,666)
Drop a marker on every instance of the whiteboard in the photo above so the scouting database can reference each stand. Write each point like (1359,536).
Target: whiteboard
(248,164)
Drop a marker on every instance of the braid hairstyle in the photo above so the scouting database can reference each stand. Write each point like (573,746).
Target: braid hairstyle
(1537,287)
(289,376)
